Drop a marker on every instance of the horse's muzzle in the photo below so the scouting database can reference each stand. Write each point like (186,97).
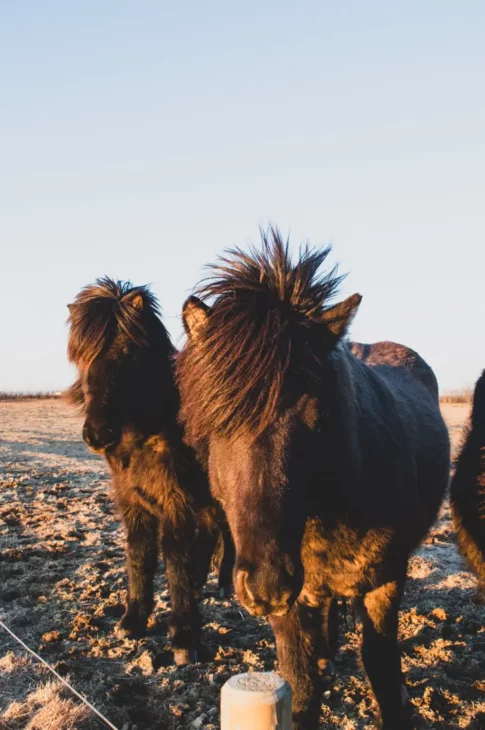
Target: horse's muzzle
(100,439)
(259,601)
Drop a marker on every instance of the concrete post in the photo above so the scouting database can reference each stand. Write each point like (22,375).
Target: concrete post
(256,701)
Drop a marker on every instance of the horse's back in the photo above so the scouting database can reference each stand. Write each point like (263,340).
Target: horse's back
(393,355)
(402,424)
(398,386)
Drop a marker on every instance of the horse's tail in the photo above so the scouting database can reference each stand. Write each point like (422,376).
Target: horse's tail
(468,487)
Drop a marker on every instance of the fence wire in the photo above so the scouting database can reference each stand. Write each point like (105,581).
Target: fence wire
(105,720)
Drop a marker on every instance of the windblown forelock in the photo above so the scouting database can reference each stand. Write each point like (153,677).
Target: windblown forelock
(99,313)
(232,376)
(234,364)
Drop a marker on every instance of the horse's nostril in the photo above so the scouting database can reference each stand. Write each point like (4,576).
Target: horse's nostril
(242,583)
(100,438)
(86,434)
(286,595)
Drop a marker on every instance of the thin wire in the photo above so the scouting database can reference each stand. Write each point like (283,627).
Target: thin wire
(61,679)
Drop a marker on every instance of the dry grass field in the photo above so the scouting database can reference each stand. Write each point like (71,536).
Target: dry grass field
(62,587)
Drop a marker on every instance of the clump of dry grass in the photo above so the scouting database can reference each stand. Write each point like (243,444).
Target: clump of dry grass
(48,706)
(19,395)
(464,395)
(45,709)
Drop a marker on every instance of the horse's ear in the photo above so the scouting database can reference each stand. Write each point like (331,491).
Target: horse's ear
(135,300)
(195,315)
(339,317)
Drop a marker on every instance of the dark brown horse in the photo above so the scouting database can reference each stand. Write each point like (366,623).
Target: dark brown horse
(331,466)
(130,401)
(468,487)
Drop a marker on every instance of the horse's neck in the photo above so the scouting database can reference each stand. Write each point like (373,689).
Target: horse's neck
(346,375)
(161,413)
(160,403)
(345,412)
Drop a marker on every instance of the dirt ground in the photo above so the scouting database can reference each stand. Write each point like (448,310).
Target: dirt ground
(62,586)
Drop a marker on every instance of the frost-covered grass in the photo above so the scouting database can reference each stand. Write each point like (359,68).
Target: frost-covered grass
(62,587)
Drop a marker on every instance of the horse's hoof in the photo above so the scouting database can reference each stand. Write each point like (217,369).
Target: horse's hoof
(130,627)
(123,632)
(404,723)
(326,668)
(185,656)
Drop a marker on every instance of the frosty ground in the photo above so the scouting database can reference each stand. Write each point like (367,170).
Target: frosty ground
(62,587)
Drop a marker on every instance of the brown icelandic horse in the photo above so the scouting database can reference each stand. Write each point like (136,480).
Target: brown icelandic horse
(331,464)
(468,487)
(127,392)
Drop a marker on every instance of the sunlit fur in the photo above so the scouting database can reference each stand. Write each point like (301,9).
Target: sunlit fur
(331,460)
(468,487)
(126,389)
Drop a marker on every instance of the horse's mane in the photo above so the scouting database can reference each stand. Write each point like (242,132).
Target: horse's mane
(258,331)
(105,308)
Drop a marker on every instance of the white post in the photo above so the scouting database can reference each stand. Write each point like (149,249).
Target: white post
(256,701)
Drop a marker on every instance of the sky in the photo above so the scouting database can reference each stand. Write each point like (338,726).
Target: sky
(140,139)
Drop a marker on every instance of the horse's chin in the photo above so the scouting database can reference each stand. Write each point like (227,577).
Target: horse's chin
(283,611)
(103,450)
(265,610)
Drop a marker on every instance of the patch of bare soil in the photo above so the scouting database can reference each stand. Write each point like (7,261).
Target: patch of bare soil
(62,585)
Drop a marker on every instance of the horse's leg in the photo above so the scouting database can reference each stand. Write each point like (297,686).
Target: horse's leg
(329,637)
(226,566)
(211,527)
(381,654)
(141,555)
(205,545)
(178,550)
(298,640)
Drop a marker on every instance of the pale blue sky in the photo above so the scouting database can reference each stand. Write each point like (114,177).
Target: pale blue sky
(138,139)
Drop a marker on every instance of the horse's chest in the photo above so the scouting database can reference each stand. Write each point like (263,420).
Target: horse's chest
(147,483)
(343,562)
